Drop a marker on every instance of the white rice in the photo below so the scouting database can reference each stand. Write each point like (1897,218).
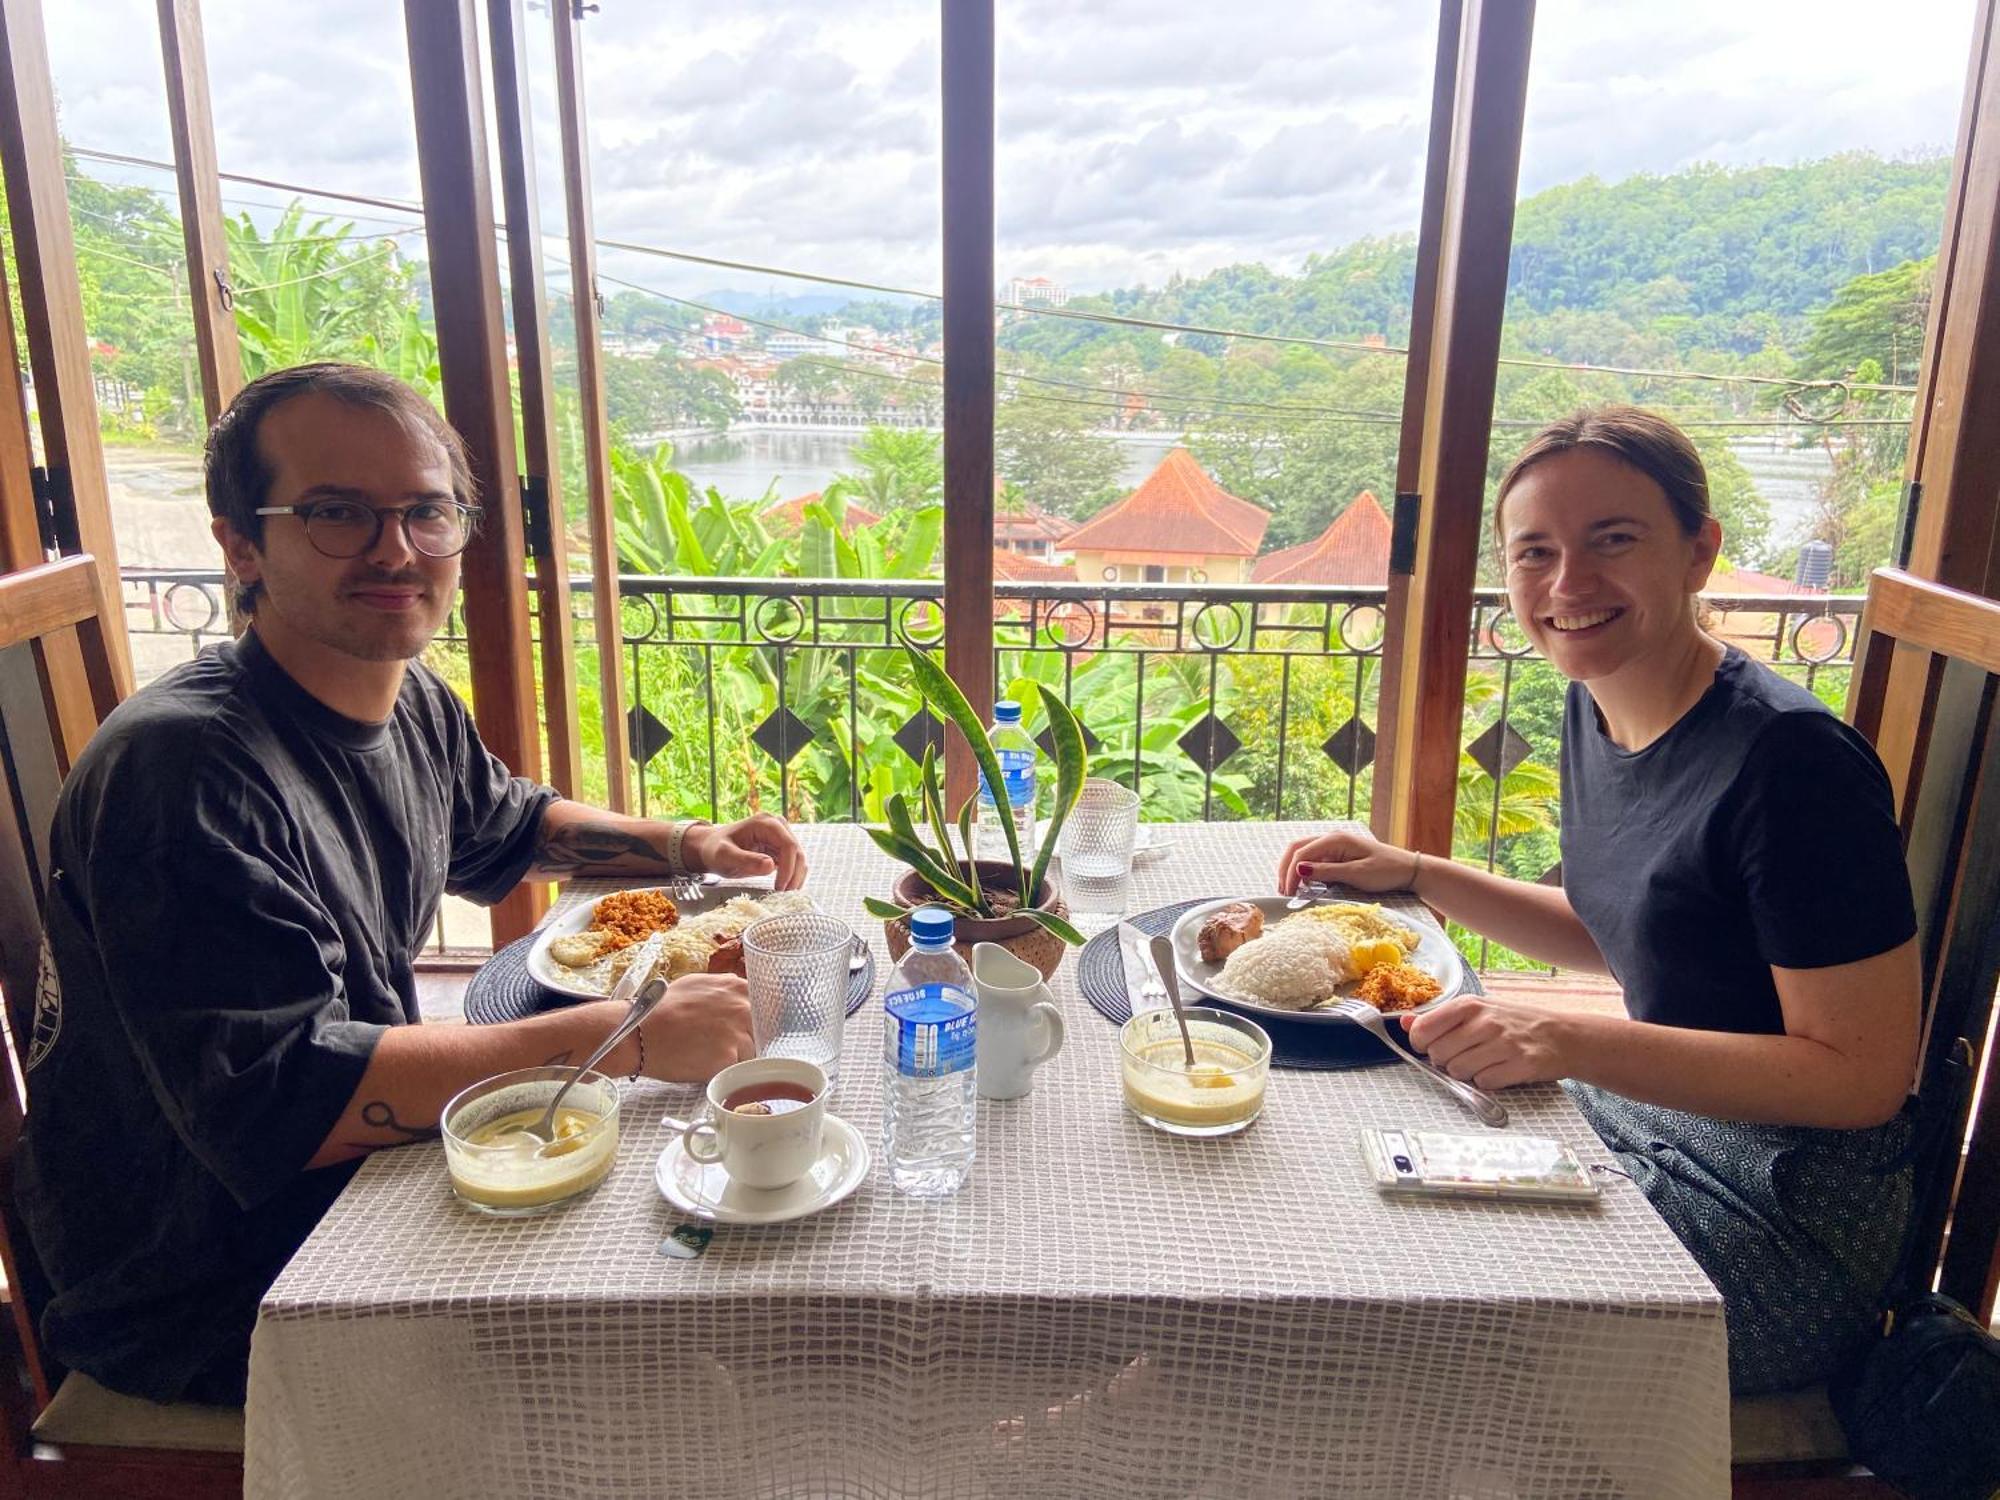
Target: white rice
(1293,966)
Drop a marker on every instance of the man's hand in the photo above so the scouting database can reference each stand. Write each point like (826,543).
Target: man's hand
(760,845)
(701,1025)
(1491,1044)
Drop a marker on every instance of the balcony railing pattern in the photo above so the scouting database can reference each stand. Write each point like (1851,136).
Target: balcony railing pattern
(1212,700)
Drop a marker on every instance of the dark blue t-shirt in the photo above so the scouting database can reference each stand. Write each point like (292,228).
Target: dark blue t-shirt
(241,879)
(1760,830)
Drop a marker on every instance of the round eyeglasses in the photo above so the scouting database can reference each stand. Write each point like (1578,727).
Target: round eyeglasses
(347,528)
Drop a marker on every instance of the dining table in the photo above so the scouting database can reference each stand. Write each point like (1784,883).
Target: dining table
(1102,1309)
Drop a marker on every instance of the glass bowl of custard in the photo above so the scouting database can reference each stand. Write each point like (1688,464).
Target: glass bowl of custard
(1220,1095)
(498,1168)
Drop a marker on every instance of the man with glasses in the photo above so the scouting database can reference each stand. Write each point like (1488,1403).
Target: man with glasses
(244,864)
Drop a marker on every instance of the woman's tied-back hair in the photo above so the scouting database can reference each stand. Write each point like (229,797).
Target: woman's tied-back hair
(1636,438)
(239,480)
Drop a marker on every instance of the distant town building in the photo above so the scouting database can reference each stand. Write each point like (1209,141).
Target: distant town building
(721,333)
(1036,291)
(1031,532)
(1178,526)
(1353,550)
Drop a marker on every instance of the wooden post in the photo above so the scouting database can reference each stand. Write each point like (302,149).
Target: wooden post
(20,519)
(1416,392)
(52,307)
(1953,461)
(590,392)
(1434,631)
(472,355)
(547,536)
(215,338)
(967,82)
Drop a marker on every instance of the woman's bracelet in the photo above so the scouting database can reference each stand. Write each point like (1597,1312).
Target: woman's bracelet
(1416,866)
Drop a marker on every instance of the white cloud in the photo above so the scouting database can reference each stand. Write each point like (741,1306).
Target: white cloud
(1136,137)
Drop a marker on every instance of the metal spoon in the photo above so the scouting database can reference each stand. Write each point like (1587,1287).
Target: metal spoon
(1163,960)
(1359,1011)
(544,1129)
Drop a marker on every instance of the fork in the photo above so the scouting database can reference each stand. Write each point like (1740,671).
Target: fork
(691,887)
(1359,1011)
(1308,892)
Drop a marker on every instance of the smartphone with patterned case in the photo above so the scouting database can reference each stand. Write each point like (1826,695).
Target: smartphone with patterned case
(1495,1165)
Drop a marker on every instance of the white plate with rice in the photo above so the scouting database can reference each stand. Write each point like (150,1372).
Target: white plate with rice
(1433,954)
(720,911)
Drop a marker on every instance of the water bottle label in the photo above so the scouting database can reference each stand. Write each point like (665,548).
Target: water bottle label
(1017,769)
(936,1029)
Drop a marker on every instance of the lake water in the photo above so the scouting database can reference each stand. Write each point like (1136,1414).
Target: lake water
(743,463)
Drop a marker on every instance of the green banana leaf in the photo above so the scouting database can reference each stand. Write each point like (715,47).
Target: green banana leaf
(949,703)
(1071,763)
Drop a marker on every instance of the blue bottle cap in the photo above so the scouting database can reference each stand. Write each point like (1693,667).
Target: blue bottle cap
(1007,711)
(930,925)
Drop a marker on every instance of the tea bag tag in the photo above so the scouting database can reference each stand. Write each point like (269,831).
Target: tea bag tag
(687,1241)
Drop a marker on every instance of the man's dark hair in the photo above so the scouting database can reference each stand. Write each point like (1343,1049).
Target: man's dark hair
(239,480)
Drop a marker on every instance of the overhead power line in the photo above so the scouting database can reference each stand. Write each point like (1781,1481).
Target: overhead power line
(1355,346)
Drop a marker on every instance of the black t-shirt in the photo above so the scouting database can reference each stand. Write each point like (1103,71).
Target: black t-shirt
(240,878)
(1760,830)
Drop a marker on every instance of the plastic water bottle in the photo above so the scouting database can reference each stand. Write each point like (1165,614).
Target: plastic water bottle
(1017,755)
(929,1109)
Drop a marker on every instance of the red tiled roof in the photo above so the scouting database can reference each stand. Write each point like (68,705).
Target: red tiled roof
(1177,509)
(1015,568)
(1031,522)
(790,515)
(1354,549)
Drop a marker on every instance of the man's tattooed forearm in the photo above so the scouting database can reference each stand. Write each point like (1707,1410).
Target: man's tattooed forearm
(577,846)
(377,1115)
(559,1060)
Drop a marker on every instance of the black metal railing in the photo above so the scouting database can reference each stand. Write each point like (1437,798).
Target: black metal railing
(1212,700)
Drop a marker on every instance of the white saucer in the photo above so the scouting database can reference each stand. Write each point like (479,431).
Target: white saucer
(706,1191)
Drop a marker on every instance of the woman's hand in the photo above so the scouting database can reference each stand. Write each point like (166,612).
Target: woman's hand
(1347,858)
(1490,1044)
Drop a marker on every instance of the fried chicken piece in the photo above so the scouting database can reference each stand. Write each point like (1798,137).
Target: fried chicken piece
(1228,929)
(727,957)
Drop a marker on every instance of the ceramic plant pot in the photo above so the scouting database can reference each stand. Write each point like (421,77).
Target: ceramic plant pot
(1021,936)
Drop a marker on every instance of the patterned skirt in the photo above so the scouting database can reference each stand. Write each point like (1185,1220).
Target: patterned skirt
(1798,1228)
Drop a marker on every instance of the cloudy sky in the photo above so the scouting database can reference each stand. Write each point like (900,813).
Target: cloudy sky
(1137,138)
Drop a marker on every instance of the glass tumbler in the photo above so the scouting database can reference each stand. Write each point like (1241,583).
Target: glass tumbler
(796,963)
(1096,848)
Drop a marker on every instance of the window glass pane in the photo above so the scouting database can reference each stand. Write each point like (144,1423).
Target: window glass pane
(1729,215)
(765,184)
(1207,248)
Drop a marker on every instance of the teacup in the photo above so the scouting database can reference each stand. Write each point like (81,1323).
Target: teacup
(759,1149)
(1020,1027)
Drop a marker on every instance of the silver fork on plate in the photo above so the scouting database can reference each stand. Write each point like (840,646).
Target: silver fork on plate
(1481,1103)
(691,887)
(1308,892)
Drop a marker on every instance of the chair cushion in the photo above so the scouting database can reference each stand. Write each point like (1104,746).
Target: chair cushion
(85,1412)
(1786,1427)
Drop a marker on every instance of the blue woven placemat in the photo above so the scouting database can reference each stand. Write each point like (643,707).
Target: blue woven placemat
(503,990)
(1100,974)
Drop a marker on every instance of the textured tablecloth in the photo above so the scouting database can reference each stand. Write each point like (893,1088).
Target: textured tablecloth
(1103,1311)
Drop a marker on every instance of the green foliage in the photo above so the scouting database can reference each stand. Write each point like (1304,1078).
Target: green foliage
(898,468)
(1049,454)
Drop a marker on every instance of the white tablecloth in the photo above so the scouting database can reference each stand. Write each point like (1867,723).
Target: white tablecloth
(1103,1311)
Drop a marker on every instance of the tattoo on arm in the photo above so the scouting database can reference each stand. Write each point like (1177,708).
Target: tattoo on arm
(577,846)
(377,1115)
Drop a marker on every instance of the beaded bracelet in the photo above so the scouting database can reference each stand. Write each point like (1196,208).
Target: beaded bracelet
(639,1067)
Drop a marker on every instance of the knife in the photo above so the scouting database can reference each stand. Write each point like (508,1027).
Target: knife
(1142,982)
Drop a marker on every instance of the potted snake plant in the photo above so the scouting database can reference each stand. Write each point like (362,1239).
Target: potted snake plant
(994,901)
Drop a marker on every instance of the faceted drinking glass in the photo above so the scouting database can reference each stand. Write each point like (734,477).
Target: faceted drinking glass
(796,963)
(1096,848)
